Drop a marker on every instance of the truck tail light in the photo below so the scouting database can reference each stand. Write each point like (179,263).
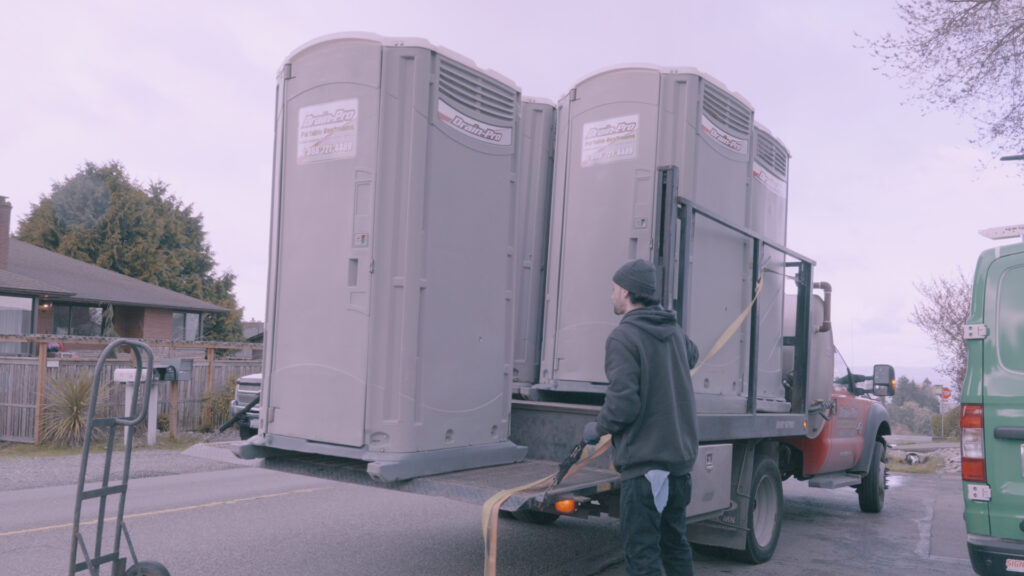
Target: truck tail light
(972,443)
(567,506)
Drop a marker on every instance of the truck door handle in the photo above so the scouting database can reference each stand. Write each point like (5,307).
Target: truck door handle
(1010,432)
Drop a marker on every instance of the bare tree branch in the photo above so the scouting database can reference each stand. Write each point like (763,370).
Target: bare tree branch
(966,56)
(941,315)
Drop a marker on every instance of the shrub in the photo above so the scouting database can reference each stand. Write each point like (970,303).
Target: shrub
(947,425)
(912,415)
(66,409)
(218,404)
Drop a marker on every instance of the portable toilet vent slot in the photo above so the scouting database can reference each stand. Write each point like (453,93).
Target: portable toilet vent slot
(726,111)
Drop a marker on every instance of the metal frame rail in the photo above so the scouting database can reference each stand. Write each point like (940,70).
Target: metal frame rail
(680,223)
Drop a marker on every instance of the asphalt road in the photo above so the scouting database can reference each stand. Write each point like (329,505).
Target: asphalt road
(234,521)
(246,521)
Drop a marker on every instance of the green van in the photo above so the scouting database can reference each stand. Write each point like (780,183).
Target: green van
(992,410)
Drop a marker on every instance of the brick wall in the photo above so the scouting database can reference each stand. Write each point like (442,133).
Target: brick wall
(156,324)
(129,321)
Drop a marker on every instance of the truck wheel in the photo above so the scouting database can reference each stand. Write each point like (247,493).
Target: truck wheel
(245,431)
(764,514)
(148,569)
(872,488)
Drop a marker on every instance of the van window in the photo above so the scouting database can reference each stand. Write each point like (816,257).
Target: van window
(1010,320)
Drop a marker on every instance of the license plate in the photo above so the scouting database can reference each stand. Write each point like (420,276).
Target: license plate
(254,423)
(1014,565)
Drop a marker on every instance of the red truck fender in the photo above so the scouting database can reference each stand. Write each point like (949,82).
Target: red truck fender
(875,429)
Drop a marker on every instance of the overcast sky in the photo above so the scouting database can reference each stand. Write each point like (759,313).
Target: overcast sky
(881,195)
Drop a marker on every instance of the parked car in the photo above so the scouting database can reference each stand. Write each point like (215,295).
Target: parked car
(247,390)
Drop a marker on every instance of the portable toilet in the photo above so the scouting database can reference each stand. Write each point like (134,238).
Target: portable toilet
(632,142)
(390,313)
(767,216)
(536,156)
(769,186)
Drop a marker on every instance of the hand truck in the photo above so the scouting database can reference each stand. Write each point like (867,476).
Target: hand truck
(136,414)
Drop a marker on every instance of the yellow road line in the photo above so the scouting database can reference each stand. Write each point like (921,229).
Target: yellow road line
(159,512)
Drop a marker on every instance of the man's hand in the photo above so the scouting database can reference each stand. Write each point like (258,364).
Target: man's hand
(590,435)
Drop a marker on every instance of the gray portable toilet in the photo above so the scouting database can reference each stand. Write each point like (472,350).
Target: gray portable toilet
(536,144)
(630,142)
(769,187)
(390,313)
(767,216)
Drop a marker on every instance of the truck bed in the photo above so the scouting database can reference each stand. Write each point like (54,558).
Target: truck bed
(471,486)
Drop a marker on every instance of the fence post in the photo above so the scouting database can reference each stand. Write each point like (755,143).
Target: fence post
(174,409)
(40,392)
(207,416)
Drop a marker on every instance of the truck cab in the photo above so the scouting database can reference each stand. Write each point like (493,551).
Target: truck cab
(992,410)
(850,450)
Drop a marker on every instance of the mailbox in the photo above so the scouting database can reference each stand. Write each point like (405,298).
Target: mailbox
(173,370)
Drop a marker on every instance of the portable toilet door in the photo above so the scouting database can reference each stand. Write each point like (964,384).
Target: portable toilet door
(603,215)
(318,304)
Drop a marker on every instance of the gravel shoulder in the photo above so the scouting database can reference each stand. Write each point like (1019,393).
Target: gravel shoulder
(211,453)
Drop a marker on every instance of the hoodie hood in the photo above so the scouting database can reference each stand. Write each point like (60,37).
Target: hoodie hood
(654,320)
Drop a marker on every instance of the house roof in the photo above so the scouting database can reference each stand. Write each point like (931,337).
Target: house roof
(68,280)
(12,283)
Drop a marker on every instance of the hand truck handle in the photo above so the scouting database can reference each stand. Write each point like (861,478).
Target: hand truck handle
(135,415)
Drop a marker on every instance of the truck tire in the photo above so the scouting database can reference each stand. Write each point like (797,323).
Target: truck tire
(245,431)
(148,569)
(871,491)
(764,514)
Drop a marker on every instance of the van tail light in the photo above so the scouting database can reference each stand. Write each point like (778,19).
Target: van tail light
(972,443)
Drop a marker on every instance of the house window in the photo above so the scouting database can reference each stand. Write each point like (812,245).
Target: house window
(77,320)
(187,326)
(15,318)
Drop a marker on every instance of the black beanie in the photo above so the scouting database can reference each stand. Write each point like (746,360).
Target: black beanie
(637,277)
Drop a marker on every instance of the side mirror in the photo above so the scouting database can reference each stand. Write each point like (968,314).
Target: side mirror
(884,380)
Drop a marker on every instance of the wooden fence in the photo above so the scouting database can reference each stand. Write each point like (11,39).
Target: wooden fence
(24,381)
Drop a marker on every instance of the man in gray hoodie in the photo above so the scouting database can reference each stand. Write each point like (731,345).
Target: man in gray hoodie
(649,410)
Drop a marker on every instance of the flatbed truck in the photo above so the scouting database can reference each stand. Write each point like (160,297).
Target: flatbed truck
(441,254)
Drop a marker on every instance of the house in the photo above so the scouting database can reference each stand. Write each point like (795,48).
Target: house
(252,331)
(42,292)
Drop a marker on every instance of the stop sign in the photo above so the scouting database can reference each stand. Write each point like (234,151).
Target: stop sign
(946,393)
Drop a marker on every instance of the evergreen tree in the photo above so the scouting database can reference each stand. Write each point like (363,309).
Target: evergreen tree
(101,216)
(920,394)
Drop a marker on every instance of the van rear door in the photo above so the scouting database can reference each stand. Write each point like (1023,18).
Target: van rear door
(1003,394)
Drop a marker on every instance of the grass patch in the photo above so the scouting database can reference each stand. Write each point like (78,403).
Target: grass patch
(10,450)
(22,450)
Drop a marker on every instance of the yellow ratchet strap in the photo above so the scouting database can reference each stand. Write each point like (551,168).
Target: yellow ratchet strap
(493,504)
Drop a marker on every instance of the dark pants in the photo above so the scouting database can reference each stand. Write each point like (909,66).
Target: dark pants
(654,540)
